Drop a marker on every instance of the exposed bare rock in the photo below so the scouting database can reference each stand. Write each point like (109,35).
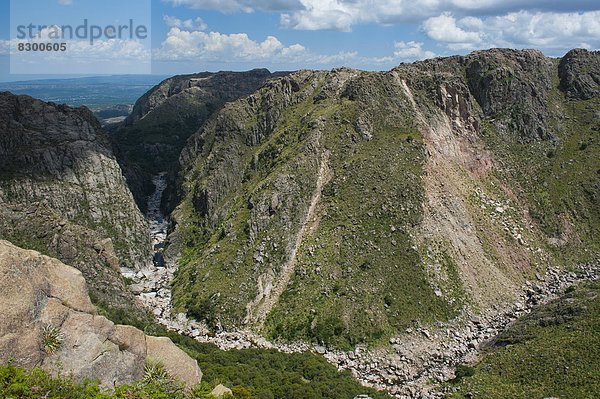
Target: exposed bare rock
(176,362)
(36,226)
(60,155)
(579,72)
(220,391)
(49,320)
(512,88)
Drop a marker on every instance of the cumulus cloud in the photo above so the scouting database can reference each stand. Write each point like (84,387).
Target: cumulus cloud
(101,49)
(188,24)
(220,48)
(189,45)
(451,25)
(443,28)
(545,30)
(343,14)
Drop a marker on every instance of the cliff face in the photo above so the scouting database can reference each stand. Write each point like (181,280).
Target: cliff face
(163,119)
(579,73)
(49,320)
(60,155)
(346,206)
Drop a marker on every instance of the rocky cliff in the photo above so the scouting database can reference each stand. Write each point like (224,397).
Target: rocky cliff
(48,320)
(346,206)
(162,120)
(60,155)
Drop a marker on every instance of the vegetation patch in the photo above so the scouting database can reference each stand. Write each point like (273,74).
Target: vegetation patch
(552,352)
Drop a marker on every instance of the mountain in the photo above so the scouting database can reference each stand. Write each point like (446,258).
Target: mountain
(394,223)
(344,207)
(152,137)
(61,156)
(68,213)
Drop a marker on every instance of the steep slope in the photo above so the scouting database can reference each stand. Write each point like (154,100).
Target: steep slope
(60,155)
(345,207)
(162,120)
(49,320)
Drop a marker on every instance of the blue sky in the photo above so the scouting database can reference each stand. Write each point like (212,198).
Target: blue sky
(198,35)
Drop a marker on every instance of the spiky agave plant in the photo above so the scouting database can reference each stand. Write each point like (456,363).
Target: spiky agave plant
(155,372)
(156,375)
(52,339)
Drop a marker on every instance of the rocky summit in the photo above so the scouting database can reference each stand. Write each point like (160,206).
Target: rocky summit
(432,230)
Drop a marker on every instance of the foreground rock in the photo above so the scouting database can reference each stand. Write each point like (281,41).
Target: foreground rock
(49,320)
(37,226)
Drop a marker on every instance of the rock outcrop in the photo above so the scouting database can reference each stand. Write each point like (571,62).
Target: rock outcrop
(512,88)
(48,320)
(60,155)
(579,72)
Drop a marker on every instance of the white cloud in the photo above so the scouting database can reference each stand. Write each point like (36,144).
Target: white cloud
(189,45)
(239,48)
(411,51)
(65,2)
(443,28)
(4,47)
(188,24)
(110,49)
(343,14)
(322,14)
(545,30)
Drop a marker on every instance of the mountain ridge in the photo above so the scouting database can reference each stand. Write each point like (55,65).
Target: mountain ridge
(465,217)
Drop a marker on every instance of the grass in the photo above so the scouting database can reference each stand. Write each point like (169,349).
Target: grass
(52,339)
(362,256)
(553,352)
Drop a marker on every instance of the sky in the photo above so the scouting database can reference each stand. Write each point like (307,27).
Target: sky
(210,35)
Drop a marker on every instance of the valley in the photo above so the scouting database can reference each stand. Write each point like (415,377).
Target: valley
(404,226)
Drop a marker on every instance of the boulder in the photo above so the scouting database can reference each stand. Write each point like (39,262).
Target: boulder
(220,391)
(49,320)
(176,361)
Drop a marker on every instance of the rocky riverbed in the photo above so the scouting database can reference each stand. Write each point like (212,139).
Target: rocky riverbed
(415,360)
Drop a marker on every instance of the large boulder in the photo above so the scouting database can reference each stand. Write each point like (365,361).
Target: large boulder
(49,320)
